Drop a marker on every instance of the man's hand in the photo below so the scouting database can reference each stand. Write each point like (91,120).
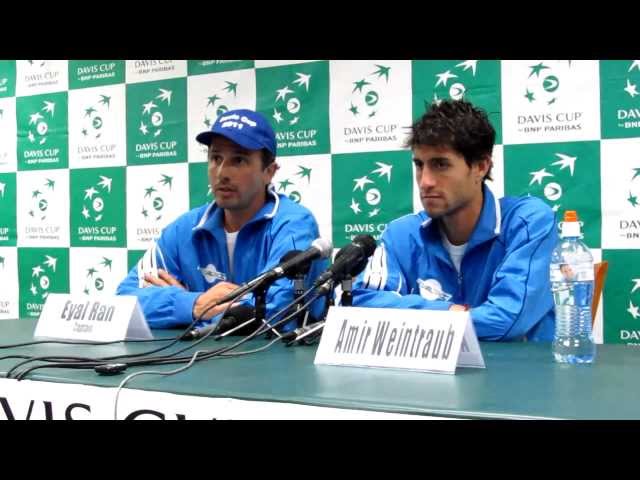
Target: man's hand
(458,308)
(164,279)
(210,297)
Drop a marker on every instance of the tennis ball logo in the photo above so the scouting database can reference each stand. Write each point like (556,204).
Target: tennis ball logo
(550,83)
(457,91)
(373,196)
(553,191)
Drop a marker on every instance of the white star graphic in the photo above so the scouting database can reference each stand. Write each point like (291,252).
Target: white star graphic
(165,95)
(49,107)
(31,137)
(538,176)
(89,193)
(444,77)
(565,161)
(277,116)
(383,170)
(355,206)
(633,310)
(374,212)
(34,290)
(143,128)
(34,117)
(469,64)
(635,64)
(105,182)
(631,89)
(148,107)
(636,286)
(36,271)
(51,262)
(85,212)
(282,93)
(361,182)
(303,80)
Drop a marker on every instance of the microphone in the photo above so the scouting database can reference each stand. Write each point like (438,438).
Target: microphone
(350,260)
(300,263)
(298,270)
(300,333)
(320,248)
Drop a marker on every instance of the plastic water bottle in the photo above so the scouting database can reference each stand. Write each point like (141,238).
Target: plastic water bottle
(572,275)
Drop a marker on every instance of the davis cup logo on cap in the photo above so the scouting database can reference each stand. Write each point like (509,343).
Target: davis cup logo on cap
(245,127)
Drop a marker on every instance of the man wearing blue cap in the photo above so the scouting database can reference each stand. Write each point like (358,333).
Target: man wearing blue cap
(207,252)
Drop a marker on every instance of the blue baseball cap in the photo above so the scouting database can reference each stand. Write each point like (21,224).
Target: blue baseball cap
(245,127)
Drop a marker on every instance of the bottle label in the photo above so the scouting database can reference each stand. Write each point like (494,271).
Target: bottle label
(571,272)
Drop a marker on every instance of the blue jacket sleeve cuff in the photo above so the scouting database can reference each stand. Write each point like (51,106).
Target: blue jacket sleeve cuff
(184,306)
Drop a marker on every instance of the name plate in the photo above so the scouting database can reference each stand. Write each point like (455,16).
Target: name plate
(423,340)
(104,318)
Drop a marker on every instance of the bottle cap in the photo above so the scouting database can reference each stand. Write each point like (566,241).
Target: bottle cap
(570,227)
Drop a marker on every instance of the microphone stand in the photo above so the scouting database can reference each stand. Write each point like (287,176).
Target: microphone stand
(298,291)
(346,299)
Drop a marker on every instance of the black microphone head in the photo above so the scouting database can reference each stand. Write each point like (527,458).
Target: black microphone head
(234,317)
(367,242)
(301,268)
(353,269)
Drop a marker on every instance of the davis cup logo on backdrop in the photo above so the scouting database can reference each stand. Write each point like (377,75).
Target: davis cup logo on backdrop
(542,85)
(42,276)
(288,187)
(546,179)
(630,227)
(154,198)
(38,128)
(295,99)
(288,106)
(366,104)
(631,313)
(153,114)
(566,176)
(42,131)
(634,308)
(94,199)
(366,197)
(41,73)
(93,119)
(365,97)
(452,83)
(8,217)
(4,118)
(369,191)
(39,207)
(218,103)
(630,118)
(635,185)
(543,90)
(94,282)
(156,121)
(97,207)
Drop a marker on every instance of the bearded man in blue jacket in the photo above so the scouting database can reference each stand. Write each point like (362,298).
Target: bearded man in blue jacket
(467,250)
(209,251)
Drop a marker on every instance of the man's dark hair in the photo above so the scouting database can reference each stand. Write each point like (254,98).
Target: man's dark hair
(458,125)
(267,158)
